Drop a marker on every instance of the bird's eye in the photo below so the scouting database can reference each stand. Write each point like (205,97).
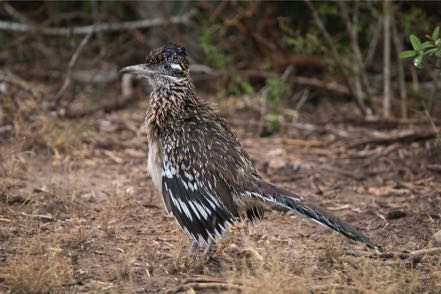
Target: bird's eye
(175,66)
(166,66)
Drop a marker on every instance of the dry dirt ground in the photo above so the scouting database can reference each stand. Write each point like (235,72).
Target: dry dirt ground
(82,215)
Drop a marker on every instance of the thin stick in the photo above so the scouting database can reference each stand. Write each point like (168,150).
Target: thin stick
(425,251)
(432,123)
(386,58)
(327,86)
(206,286)
(365,110)
(72,62)
(401,77)
(103,27)
(360,69)
(374,42)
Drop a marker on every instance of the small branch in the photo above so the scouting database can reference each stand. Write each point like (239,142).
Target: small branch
(302,100)
(72,62)
(401,76)
(324,31)
(14,13)
(374,42)
(386,59)
(435,86)
(360,69)
(327,86)
(365,110)
(432,123)
(103,27)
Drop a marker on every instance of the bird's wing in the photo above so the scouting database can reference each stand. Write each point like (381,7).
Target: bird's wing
(195,204)
(196,180)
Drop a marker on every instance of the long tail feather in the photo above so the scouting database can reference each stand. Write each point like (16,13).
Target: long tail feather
(291,201)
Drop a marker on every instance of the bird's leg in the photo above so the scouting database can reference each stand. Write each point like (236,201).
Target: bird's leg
(208,249)
(193,247)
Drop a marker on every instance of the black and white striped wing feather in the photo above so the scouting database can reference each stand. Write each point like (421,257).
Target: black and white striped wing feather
(195,203)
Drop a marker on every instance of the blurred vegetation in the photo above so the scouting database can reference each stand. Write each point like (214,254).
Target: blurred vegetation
(335,48)
(430,47)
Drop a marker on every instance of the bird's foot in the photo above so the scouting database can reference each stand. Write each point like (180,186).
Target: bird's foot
(192,249)
(207,250)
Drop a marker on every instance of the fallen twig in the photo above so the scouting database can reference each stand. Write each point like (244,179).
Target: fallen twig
(103,27)
(414,256)
(206,286)
(406,138)
(422,252)
(42,217)
(202,279)
(333,287)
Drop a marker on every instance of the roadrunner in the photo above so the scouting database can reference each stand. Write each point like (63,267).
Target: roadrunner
(195,160)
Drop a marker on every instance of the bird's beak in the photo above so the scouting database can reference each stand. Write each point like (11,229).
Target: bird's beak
(139,69)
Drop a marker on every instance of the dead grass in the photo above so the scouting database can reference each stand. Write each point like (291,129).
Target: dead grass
(123,269)
(261,267)
(38,267)
(57,194)
(180,261)
(10,167)
(44,131)
(120,197)
(256,263)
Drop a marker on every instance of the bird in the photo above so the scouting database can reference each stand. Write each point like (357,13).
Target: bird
(196,161)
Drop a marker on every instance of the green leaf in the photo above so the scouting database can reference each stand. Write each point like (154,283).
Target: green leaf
(435,33)
(418,62)
(431,51)
(407,54)
(426,45)
(416,43)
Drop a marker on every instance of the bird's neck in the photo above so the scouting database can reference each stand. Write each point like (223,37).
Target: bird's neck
(170,104)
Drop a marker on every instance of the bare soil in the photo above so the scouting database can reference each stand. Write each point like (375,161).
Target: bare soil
(85,218)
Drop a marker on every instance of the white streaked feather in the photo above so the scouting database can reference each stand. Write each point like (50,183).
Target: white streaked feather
(185,209)
(202,210)
(192,206)
(175,203)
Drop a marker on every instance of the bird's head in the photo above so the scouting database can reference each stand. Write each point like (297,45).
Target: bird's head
(166,66)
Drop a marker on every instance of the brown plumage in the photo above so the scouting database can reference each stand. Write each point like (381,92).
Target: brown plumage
(198,164)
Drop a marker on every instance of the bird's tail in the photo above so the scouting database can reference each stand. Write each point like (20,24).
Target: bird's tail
(291,201)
